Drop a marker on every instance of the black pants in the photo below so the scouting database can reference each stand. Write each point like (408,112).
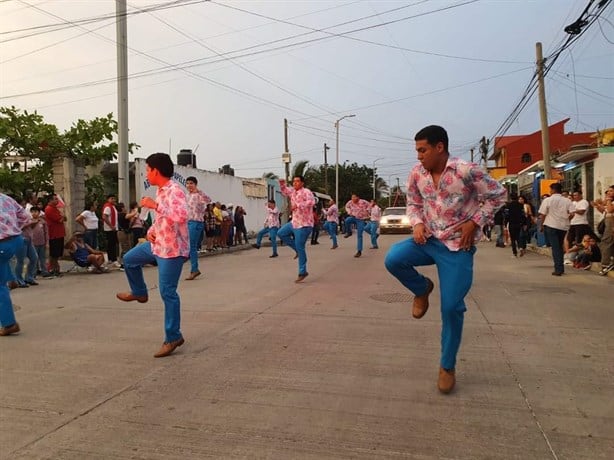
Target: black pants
(577,232)
(112,244)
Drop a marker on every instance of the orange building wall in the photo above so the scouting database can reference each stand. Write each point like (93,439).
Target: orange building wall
(532,143)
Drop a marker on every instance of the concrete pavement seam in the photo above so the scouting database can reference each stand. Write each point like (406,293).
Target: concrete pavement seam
(517,380)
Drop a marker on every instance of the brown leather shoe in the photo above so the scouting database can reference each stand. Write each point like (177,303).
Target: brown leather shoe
(168,347)
(13,329)
(129,297)
(193,275)
(421,303)
(358,254)
(301,277)
(446,380)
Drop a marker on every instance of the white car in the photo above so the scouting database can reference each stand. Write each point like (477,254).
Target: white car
(394,220)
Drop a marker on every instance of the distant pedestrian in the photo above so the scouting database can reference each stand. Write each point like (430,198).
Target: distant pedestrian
(55,224)
(271,227)
(516,221)
(13,217)
(89,221)
(110,218)
(578,224)
(168,246)
(301,225)
(444,211)
(554,213)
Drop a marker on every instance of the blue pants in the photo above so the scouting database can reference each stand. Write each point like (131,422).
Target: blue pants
(41,252)
(26,250)
(360,227)
(371,229)
(91,238)
(8,248)
(272,232)
(195,230)
(298,243)
(556,239)
(331,229)
(169,271)
(455,270)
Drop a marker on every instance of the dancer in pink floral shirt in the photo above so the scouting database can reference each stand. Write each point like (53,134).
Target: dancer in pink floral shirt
(302,202)
(443,205)
(168,246)
(197,204)
(358,211)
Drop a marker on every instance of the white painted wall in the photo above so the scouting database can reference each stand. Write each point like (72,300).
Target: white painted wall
(220,187)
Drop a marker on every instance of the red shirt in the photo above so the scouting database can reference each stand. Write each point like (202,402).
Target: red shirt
(55,222)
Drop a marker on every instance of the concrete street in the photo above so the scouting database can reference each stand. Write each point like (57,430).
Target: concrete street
(331,368)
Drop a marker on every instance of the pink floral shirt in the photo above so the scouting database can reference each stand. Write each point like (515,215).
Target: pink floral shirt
(12,217)
(332,214)
(170,226)
(197,204)
(302,201)
(376,213)
(272,218)
(360,209)
(456,200)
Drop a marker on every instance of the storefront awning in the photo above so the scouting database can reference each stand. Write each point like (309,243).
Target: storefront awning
(577,155)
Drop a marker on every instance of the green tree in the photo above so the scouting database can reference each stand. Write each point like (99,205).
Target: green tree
(26,137)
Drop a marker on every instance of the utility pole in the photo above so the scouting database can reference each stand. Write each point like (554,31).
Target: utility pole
(373,170)
(326,149)
(123,162)
(543,114)
(286,151)
(471,154)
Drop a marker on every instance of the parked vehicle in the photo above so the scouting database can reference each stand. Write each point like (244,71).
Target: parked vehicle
(394,220)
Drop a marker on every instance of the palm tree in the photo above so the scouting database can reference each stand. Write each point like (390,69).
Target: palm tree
(270,175)
(300,168)
(381,187)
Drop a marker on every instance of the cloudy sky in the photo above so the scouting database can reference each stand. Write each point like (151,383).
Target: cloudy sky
(220,76)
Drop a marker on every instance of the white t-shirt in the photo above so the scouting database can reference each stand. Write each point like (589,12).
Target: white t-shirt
(90,219)
(556,208)
(579,219)
(107,212)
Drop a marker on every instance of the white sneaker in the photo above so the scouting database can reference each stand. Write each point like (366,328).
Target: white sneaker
(116,264)
(91,268)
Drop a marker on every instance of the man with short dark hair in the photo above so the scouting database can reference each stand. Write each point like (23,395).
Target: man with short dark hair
(578,224)
(197,204)
(554,215)
(168,246)
(302,202)
(110,219)
(358,211)
(443,205)
(271,226)
(55,223)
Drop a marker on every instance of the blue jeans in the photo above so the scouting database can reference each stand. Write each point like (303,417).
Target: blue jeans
(8,248)
(272,232)
(41,252)
(169,271)
(455,270)
(556,238)
(91,238)
(26,250)
(298,243)
(371,229)
(360,227)
(331,229)
(195,230)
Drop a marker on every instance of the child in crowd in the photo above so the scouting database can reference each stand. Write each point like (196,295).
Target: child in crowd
(40,239)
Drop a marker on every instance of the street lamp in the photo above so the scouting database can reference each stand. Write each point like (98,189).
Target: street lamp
(375,161)
(337,158)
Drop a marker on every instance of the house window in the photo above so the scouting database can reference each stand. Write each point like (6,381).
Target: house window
(526,158)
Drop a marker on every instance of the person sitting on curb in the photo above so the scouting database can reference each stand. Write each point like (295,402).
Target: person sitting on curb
(84,255)
(582,255)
